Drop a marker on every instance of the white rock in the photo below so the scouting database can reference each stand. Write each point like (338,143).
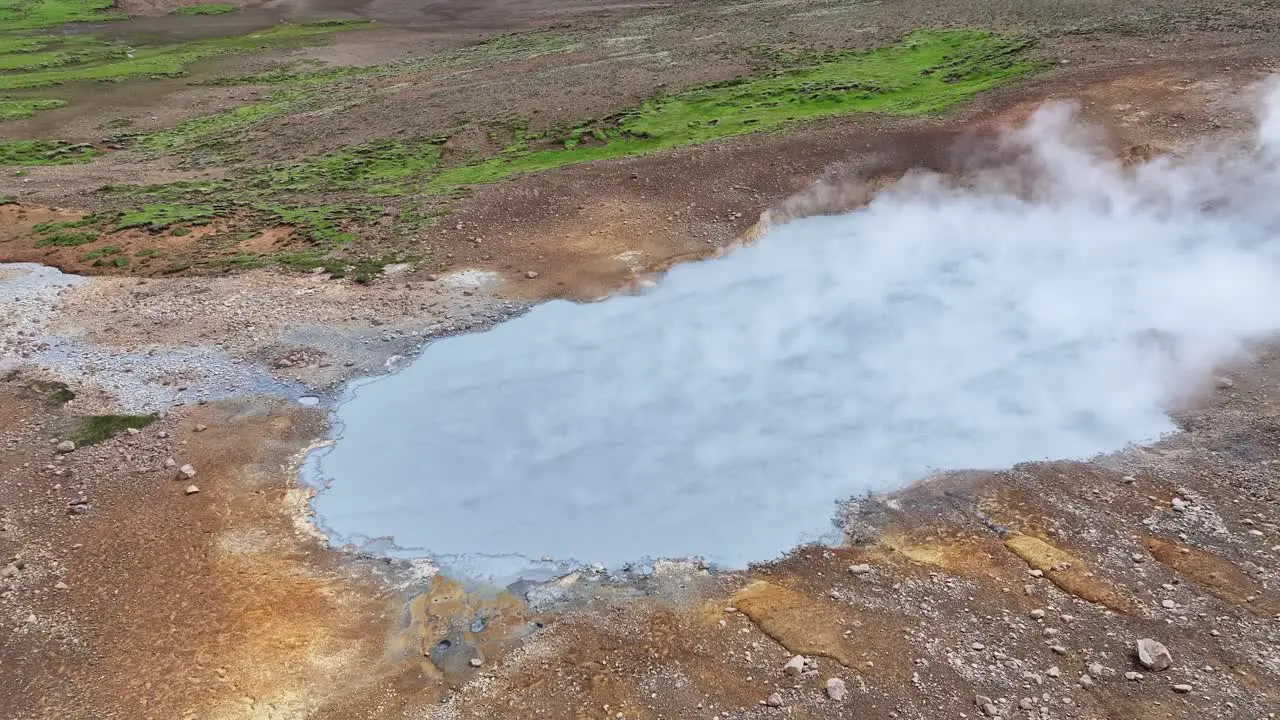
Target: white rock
(1133,676)
(476,662)
(794,666)
(1053,672)
(186,472)
(1153,655)
(1037,614)
(170,463)
(1182,688)
(192,490)
(860,569)
(836,689)
(774,700)
(66,446)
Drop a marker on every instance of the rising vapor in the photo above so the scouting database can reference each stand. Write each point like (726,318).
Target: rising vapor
(1052,307)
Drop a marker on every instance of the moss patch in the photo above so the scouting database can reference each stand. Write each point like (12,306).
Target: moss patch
(44,152)
(161,215)
(96,428)
(205,9)
(927,72)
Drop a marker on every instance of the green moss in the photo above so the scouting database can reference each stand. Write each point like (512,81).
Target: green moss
(31,14)
(320,224)
(66,239)
(15,109)
(54,226)
(161,215)
(201,131)
(44,152)
(927,72)
(378,168)
(96,428)
(102,252)
(205,9)
(112,61)
(147,253)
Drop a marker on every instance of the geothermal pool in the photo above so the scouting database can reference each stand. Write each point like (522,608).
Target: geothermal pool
(724,412)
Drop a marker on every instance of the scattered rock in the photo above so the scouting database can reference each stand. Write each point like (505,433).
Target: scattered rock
(1026,703)
(192,490)
(977,646)
(1153,655)
(836,689)
(1168,604)
(1182,688)
(66,446)
(531,274)
(133,431)
(1133,676)
(60,586)
(201,428)
(9,571)
(1086,681)
(476,662)
(186,472)
(774,700)
(1037,614)
(860,569)
(170,463)
(1053,672)
(794,666)
(1098,670)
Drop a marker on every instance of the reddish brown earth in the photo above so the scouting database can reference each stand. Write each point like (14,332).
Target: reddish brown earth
(1006,586)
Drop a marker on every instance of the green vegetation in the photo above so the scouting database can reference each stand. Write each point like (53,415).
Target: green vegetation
(147,253)
(102,252)
(204,131)
(378,168)
(44,152)
(96,428)
(111,61)
(66,239)
(322,224)
(205,9)
(927,72)
(32,14)
(161,215)
(15,109)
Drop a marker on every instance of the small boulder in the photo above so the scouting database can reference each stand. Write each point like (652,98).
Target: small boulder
(201,428)
(192,490)
(1182,688)
(170,463)
(66,446)
(1153,655)
(774,700)
(836,689)
(476,662)
(186,472)
(860,569)
(794,666)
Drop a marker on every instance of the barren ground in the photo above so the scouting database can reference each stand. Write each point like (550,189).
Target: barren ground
(123,595)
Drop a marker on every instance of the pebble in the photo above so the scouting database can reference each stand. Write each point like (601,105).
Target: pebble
(186,472)
(201,428)
(978,646)
(1086,681)
(794,666)
(66,446)
(1037,614)
(1168,604)
(192,490)
(774,700)
(1182,688)
(1053,672)
(836,689)
(1036,573)
(1153,655)
(1133,676)
(476,662)
(531,274)
(60,586)
(170,463)
(860,569)
(133,431)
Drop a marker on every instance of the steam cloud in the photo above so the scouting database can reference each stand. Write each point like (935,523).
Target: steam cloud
(1050,308)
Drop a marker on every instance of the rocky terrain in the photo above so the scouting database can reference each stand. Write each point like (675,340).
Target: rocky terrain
(259,219)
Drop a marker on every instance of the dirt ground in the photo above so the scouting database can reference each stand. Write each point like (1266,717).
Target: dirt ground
(131,590)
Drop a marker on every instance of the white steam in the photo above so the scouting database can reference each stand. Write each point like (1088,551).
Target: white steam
(1049,308)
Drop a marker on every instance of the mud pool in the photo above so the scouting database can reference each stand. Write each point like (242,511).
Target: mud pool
(725,412)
